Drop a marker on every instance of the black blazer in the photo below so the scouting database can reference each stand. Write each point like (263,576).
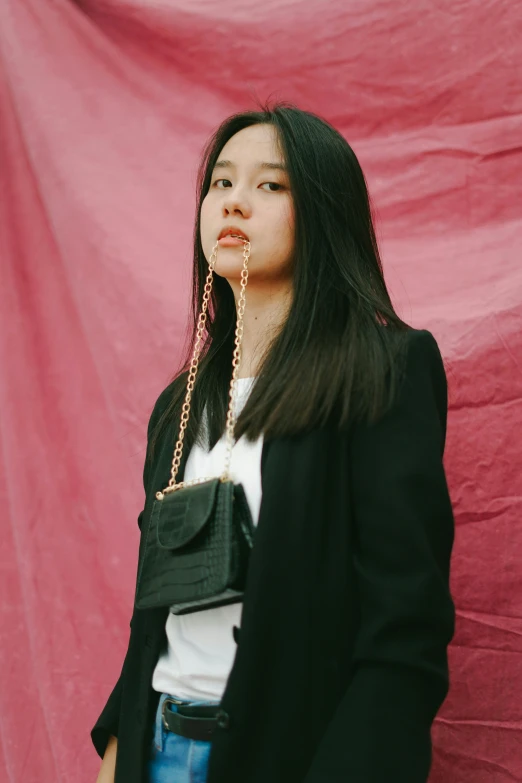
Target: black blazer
(341,663)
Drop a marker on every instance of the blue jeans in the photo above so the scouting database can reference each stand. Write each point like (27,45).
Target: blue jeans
(176,759)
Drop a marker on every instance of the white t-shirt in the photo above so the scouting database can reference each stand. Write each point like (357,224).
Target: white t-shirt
(201,647)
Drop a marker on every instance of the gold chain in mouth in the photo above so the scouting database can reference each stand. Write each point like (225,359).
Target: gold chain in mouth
(236,361)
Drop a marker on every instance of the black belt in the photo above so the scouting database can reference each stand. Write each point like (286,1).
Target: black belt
(195,722)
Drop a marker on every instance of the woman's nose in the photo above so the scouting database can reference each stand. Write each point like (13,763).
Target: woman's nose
(236,204)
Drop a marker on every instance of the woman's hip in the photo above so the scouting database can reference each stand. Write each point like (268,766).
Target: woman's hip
(182,739)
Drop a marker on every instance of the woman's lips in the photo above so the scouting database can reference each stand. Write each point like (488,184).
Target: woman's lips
(230,241)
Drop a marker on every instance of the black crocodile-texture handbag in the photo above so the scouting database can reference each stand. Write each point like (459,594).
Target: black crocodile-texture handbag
(196,549)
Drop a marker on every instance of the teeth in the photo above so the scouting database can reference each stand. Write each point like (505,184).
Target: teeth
(236,236)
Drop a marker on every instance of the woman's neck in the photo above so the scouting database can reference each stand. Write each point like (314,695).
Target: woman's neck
(266,309)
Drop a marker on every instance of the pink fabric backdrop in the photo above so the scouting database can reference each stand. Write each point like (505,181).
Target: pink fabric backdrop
(105,106)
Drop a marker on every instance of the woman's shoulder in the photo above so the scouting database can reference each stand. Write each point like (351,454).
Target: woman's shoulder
(418,345)
(424,372)
(157,428)
(410,335)
(164,399)
(424,348)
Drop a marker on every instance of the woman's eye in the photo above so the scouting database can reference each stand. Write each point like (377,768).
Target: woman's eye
(277,185)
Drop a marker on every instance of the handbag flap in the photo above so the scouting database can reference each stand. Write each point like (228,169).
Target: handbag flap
(181,515)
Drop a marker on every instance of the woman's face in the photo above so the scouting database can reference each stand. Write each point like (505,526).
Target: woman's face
(254,199)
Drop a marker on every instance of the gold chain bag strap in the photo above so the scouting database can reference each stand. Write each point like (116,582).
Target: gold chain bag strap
(200,532)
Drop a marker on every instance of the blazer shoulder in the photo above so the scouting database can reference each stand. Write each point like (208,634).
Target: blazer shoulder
(155,431)
(160,406)
(424,355)
(163,401)
(424,341)
(424,371)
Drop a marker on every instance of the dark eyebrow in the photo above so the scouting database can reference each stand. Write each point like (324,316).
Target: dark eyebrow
(225,164)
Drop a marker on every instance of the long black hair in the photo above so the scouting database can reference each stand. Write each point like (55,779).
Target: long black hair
(338,352)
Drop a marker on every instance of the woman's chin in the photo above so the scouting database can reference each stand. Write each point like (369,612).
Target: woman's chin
(230,268)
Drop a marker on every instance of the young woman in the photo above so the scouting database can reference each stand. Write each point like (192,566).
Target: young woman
(334,664)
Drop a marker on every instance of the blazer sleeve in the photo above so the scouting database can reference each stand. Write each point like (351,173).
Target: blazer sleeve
(404,531)
(108,721)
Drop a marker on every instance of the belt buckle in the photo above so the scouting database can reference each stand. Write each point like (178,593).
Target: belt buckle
(169,700)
